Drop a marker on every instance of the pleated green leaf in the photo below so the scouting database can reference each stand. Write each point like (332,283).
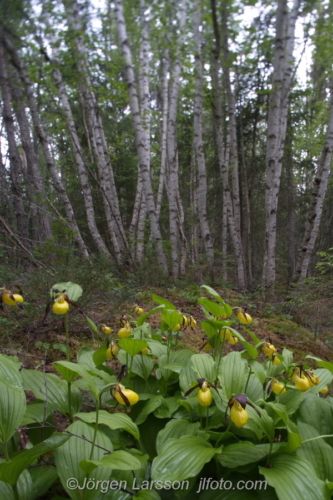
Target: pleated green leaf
(204,367)
(73,290)
(233,374)
(73,370)
(176,429)
(9,371)
(69,455)
(114,421)
(120,460)
(238,454)
(132,346)
(48,387)
(317,452)
(12,409)
(294,478)
(10,471)
(182,458)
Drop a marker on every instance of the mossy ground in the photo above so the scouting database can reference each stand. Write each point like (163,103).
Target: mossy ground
(20,331)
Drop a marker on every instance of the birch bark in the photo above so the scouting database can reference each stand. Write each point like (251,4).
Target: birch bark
(16,170)
(276,128)
(40,132)
(35,179)
(165,100)
(97,137)
(317,199)
(197,125)
(76,145)
(171,142)
(223,156)
(140,137)
(233,160)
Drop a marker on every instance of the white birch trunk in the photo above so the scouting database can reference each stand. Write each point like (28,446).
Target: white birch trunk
(164,91)
(317,199)
(140,234)
(40,132)
(276,128)
(16,170)
(34,175)
(233,161)
(223,156)
(97,139)
(172,166)
(140,137)
(198,140)
(78,153)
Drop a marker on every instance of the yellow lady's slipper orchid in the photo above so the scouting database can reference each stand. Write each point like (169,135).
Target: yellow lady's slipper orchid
(278,388)
(225,334)
(312,378)
(205,397)
(176,328)
(145,351)
(106,329)
(61,306)
(301,381)
(207,347)
(238,415)
(125,331)
(193,322)
(9,301)
(233,340)
(276,361)
(269,349)
(131,396)
(244,317)
(324,391)
(112,351)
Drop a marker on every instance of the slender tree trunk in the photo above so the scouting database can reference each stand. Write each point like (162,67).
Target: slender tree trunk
(6,205)
(224,246)
(140,235)
(77,149)
(40,132)
(193,204)
(140,137)
(223,156)
(16,169)
(181,230)
(317,199)
(173,194)
(202,187)
(97,138)
(276,128)
(233,161)
(34,176)
(164,92)
(247,218)
(140,208)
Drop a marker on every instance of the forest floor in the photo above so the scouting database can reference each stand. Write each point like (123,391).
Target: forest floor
(306,329)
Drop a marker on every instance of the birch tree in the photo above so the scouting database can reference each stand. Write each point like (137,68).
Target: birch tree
(232,126)
(276,127)
(41,134)
(140,136)
(35,181)
(97,137)
(223,157)
(16,168)
(318,193)
(198,139)
(76,144)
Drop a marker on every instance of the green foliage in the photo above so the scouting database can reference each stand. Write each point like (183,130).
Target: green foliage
(168,434)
